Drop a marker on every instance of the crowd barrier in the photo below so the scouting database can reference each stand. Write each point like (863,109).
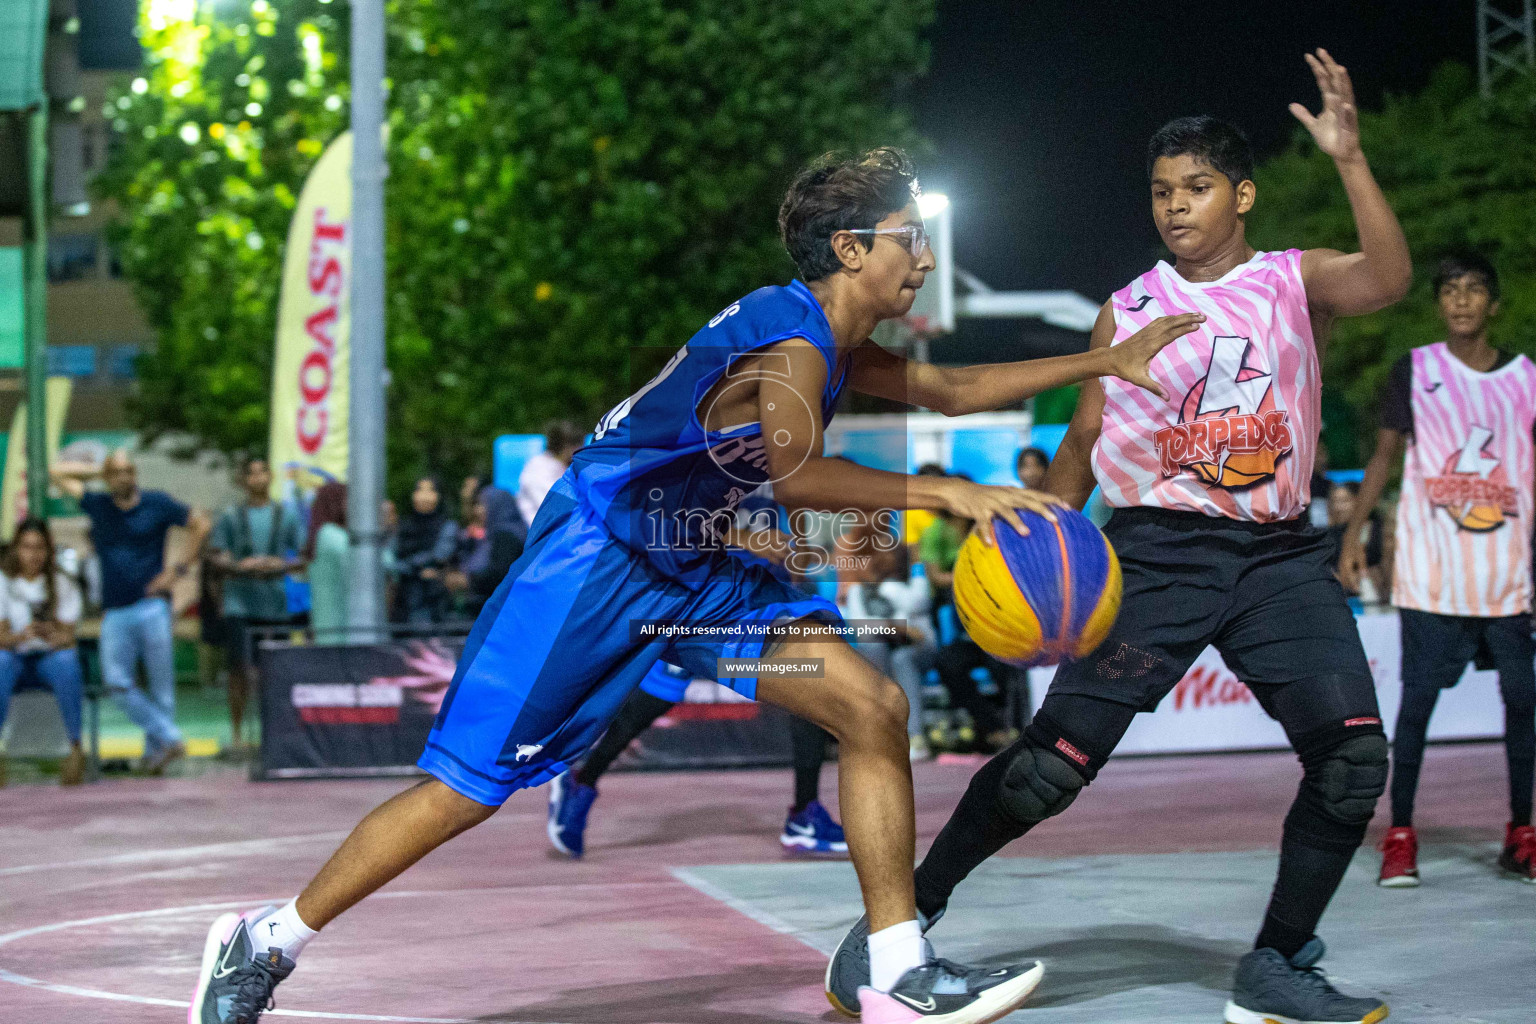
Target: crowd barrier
(332,711)
(365,709)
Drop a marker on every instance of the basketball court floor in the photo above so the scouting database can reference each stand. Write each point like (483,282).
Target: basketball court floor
(1140,900)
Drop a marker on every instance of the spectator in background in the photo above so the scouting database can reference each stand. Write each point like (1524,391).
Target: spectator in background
(1319,488)
(493,543)
(562,438)
(938,549)
(327,552)
(916,520)
(128,529)
(955,662)
(423,549)
(39,607)
(1342,500)
(211,669)
(1030,467)
(884,592)
(254,545)
(469,496)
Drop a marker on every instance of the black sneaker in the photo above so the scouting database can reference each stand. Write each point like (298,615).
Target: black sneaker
(944,992)
(1273,990)
(235,985)
(849,967)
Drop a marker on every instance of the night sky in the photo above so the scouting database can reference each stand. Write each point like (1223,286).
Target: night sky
(1040,111)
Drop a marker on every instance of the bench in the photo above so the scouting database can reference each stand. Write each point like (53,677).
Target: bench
(35,729)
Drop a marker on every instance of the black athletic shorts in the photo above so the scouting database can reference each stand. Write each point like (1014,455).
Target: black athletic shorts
(1437,648)
(1263,594)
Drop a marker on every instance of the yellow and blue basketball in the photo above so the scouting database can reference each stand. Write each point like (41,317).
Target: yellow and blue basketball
(1042,598)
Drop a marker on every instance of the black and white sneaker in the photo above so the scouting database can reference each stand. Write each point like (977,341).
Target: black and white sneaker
(944,992)
(848,969)
(1273,990)
(235,984)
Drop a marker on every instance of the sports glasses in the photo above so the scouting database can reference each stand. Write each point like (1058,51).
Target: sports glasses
(913,236)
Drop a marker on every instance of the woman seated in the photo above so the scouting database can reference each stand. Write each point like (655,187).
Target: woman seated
(39,607)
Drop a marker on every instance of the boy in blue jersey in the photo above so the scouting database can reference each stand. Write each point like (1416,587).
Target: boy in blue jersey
(809,827)
(625,565)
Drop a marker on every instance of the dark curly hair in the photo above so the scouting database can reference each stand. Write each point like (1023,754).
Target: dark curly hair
(842,193)
(1207,139)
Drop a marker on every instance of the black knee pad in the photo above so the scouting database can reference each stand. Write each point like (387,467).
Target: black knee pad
(1038,784)
(1349,777)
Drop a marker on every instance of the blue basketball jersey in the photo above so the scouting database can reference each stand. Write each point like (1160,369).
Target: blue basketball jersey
(665,486)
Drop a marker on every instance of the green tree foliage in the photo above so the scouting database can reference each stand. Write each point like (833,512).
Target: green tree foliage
(571,182)
(1461,174)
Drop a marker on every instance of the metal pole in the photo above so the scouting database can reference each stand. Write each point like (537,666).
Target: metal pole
(35,257)
(365,459)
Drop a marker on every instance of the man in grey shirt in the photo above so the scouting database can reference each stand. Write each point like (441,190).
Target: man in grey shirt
(254,544)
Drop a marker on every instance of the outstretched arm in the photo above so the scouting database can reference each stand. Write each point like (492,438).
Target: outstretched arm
(1348,284)
(956,390)
(804,477)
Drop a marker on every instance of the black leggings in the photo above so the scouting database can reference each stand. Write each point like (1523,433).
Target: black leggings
(1321,833)
(635,715)
(1408,753)
(808,745)
(1436,650)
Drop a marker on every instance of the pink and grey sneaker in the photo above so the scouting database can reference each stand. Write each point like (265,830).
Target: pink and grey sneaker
(944,992)
(1519,856)
(236,981)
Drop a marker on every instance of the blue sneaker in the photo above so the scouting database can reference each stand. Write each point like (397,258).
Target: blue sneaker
(569,802)
(814,831)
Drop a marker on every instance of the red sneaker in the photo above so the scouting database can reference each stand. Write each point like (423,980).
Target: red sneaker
(1399,859)
(1519,856)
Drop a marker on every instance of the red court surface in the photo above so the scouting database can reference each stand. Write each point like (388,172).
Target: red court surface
(106,890)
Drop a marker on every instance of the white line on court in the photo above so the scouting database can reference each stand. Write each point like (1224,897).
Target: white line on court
(744,908)
(90,993)
(238,848)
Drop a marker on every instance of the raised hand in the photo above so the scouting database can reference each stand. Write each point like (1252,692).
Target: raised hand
(1129,360)
(1337,128)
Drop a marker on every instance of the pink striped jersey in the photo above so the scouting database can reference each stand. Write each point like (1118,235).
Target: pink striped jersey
(1464,517)
(1237,433)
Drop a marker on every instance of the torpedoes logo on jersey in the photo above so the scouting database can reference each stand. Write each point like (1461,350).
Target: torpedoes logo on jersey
(1230,432)
(1473,488)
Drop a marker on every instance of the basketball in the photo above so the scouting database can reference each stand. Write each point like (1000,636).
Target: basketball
(1042,598)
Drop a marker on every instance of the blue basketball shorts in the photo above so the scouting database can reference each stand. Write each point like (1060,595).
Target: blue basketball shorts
(561,644)
(667,682)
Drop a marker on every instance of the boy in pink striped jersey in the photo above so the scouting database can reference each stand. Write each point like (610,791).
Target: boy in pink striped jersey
(1459,415)
(1209,484)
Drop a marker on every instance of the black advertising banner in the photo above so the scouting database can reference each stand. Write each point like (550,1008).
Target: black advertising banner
(366,709)
(736,734)
(350,710)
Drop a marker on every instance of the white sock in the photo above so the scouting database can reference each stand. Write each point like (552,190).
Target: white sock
(283,928)
(893,952)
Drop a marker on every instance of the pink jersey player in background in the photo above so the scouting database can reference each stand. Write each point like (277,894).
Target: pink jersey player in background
(1459,414)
